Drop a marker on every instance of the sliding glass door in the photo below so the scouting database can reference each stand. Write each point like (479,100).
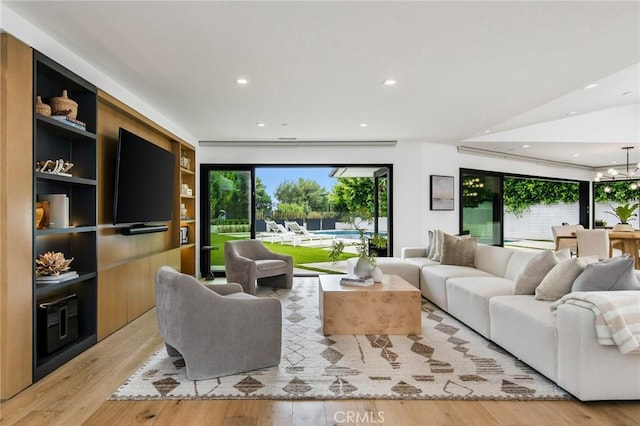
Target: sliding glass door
(481,213)
(227,212)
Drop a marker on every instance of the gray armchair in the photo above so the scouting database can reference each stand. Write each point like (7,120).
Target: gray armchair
(216,328)
(251,263)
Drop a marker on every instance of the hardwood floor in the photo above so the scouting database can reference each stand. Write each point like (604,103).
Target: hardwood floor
(76,394)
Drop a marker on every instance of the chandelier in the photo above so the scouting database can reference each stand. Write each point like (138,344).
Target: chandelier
(613,174)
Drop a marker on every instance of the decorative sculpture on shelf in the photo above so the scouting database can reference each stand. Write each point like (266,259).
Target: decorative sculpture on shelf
(52,264)
(56,167)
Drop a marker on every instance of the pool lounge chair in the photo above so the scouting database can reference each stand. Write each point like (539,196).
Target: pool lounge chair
(275,233)
(301,233)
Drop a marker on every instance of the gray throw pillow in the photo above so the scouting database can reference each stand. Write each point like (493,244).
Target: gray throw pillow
(458,251)
(534,271)
(616,273)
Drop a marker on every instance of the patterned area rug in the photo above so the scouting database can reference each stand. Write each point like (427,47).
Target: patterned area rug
(448,361)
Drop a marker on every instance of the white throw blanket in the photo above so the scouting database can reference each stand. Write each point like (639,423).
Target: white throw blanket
(617,316)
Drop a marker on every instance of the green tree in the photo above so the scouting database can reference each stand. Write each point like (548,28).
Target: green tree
(228,195)
(351,195)
(288,211)
(264,204)
(304,192)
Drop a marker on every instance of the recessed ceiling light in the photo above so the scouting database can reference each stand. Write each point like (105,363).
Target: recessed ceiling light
(571,113)
(576,155)
(614,162)
(591,86)
(242,81)
(261,124)
(364,125)
(390,82)
(486,131)
(526,146)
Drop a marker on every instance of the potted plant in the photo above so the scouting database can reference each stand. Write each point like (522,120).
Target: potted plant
(366,258)
(624,213)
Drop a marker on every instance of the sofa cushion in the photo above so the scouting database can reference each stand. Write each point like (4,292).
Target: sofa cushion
(458,251)
(517,262)
(616,273)
(534,272)
(493,259)
(560,278)
(468,299)
(433,279)
(527,328)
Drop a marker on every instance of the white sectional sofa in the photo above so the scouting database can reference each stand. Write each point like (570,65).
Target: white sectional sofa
(563,347)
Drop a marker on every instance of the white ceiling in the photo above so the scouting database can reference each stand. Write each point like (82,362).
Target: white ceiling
(315,69)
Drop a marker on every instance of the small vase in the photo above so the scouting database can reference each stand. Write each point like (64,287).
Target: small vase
(363,268)
(377,274)
(623,227)
(42,108)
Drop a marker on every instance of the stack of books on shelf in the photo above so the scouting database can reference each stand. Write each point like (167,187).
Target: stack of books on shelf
(52,279)
(356,281)
(70,121)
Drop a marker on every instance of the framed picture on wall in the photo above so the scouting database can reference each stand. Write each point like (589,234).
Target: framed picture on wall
(441,190)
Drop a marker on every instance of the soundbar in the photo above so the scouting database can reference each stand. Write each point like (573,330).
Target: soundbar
(143,229)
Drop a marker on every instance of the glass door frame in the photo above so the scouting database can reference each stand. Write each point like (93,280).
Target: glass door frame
(585,189)
(203,188)
(205,229)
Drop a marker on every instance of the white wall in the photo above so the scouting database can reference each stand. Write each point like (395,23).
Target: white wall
(23,30)
(413,162)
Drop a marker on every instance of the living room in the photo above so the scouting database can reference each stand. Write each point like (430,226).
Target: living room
(414,161)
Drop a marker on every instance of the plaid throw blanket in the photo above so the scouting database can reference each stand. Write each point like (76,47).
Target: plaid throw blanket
(617,316)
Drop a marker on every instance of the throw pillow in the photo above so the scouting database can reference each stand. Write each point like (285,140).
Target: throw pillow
(560,278)
(434,244)
(439,241)
(533,272)
(458,251)
(616,273)
(429,242)
(564,254)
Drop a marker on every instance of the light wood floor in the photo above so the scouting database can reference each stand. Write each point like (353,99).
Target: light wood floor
(76,394)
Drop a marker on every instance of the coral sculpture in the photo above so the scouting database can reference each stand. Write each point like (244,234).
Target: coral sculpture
(52,263)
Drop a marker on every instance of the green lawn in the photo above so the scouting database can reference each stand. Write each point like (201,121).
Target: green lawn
(301,255)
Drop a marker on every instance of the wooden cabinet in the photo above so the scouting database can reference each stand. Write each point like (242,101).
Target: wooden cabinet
(72,229)
(187,209)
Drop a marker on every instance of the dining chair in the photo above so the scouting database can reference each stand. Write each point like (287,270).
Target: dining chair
(592,242)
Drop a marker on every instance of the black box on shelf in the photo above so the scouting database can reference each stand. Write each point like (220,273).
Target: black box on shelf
(57,323)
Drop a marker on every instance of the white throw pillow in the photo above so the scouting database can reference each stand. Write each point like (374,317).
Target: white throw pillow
(560,278)
(533,272)
(439,243)
(430,246)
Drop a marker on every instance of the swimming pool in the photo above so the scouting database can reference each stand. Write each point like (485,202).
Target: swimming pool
(347,233)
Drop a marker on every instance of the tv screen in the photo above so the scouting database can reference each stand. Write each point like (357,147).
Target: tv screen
(144,175)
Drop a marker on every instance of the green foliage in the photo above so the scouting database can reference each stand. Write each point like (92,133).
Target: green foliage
(228,194)
(620,192)
(264,204)
(289,211)
(307,193)
(352,195)
(520,194)
(624,212)
(336,250)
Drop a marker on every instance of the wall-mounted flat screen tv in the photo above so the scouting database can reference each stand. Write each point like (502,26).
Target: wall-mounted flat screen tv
(144,181)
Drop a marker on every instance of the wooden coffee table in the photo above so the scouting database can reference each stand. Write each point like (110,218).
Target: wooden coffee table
(390,307)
